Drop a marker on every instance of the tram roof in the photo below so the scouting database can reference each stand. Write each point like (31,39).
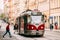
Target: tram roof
(26,10)
(30,12)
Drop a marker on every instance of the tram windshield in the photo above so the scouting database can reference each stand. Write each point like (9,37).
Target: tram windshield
(36,19)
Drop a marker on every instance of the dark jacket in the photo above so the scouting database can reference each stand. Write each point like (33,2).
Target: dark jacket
(51,26)
(15,27)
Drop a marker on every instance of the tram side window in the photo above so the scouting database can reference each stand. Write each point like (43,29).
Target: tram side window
(29,19)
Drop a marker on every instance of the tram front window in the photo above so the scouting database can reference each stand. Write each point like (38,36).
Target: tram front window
(36,20)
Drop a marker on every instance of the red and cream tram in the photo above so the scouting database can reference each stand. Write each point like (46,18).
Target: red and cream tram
(31,23)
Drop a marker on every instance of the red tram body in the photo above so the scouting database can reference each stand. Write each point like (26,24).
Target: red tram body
(31,23)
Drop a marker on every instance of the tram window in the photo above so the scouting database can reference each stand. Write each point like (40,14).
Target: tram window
(39,13)
(29,19)
(34,13)
(36,19)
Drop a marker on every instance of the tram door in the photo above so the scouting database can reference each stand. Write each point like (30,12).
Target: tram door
(25,23)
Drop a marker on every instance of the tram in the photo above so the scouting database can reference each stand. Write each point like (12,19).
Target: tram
(31,23)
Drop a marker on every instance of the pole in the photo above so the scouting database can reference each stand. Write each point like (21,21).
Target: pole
(49,13)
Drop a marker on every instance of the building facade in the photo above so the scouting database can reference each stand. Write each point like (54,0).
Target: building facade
(49,7)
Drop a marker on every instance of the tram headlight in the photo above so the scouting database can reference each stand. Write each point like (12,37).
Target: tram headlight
(32,27)
(42,27)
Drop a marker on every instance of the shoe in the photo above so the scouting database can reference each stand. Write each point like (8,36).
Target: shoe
(10,36)
(3,36)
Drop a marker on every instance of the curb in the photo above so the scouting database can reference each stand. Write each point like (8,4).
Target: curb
(53,30)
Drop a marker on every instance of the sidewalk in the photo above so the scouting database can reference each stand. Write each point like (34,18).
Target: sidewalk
(53,30)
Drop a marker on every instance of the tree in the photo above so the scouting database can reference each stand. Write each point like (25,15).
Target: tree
(2,16)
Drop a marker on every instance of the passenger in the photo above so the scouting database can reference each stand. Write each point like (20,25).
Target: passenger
(51,26)
(8,30)
(15,28)
(56,25)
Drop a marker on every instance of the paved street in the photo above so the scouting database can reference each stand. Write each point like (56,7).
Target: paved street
(48,35)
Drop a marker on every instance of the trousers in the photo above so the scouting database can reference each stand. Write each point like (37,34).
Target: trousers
(7,31)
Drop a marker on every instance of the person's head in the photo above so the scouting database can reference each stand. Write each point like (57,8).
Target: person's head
(15,23)
(8,23)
